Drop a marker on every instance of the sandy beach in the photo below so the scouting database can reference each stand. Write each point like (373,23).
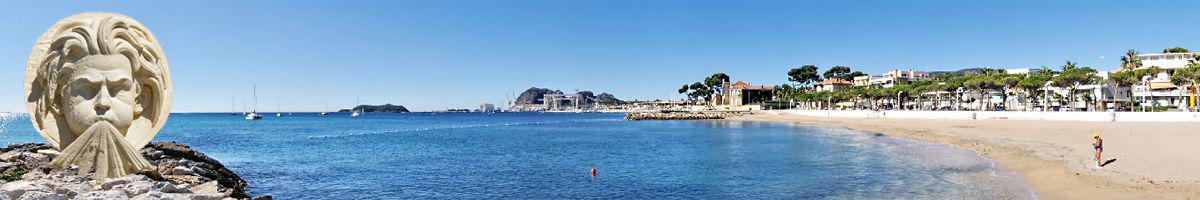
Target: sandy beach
(1147,160)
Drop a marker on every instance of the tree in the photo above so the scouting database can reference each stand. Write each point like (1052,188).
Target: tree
(1069,65)
(982,84)
(838,72)
(1030,85)
(698,91)
(1123,79)
(1072,78)
(1006,83)
(1149,74)
(716,81)
(1188,77)
(851,75)
(1130,61)
(1175,50)
(701,90)
(805,75)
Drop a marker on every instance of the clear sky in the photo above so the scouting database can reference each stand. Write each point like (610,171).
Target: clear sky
(434,55)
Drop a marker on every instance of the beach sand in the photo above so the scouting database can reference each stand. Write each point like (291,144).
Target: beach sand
(1153,160)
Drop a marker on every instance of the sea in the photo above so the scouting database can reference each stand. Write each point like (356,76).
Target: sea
(550,156)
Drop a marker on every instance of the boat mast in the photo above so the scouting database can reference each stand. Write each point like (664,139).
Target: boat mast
(255,100)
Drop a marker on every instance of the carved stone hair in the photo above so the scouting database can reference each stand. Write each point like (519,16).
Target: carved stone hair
(58,50)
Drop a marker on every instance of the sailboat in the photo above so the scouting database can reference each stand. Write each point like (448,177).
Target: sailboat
(232,109)
(279,112)
(253,115)
(323,109)
(356,112)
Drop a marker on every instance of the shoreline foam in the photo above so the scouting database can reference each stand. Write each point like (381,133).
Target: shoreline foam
(1043,153)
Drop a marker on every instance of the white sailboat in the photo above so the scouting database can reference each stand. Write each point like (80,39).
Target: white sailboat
(356,112)
(279,112)
(323,109)
(253,115)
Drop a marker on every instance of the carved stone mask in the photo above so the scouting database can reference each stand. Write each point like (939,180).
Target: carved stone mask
(103,78)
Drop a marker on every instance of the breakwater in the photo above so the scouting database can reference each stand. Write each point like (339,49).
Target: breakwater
(682,115)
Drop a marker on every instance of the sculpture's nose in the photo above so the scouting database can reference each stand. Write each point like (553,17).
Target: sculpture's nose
(103,101)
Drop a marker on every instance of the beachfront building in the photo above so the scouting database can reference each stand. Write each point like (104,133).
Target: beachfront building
(1157,90)
(833,84)
(742,93)
(1023,71)
(487,107)
(566,102)
(891,78)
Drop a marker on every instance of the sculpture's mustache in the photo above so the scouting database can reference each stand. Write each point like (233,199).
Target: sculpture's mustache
(102,118)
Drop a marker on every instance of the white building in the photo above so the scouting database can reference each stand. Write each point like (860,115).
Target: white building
(891,78)
(1023,71)
(487,107)
(1158,90)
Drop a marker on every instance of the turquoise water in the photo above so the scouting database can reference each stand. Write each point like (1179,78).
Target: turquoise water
(548,155)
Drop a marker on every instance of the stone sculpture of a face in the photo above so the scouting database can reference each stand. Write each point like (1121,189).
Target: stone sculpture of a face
(98,89)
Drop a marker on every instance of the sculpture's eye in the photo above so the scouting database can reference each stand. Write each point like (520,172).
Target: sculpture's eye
(119,87)
(84,88)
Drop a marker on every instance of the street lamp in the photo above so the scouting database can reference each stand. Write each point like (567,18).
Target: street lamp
(829,102)
(958,100)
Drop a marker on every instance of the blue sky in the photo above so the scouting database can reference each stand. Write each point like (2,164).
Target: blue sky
(434,55)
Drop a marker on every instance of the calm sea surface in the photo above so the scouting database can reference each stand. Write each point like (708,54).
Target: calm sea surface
(547,156)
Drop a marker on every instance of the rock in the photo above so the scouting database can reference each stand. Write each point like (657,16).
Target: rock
(14,190)
(208,196)
(140,187)
(113,183)
(185,163)
(100,195)
(224,176)
(209,187)
(166,187)
(72,190)
(208,177)
(180,170)
(50,153)
(39,195)
(10,156)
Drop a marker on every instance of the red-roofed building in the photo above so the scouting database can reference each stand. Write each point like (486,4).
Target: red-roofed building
(833,84)
(742,93)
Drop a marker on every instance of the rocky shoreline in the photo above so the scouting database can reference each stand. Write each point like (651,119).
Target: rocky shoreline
(680,115)
(182,173)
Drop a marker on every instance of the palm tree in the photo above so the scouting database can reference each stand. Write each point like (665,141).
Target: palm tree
(1069,65)
(1130,61)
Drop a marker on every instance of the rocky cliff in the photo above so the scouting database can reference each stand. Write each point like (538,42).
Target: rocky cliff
(534,95)
(607,99)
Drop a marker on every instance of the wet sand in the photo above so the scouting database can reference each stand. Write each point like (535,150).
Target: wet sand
(1146,160)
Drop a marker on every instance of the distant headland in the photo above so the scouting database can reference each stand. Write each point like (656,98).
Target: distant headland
(385,108)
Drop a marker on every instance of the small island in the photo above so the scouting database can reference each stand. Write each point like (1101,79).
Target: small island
(385,108)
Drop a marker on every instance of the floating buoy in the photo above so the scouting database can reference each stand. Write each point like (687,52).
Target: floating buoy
(593,171)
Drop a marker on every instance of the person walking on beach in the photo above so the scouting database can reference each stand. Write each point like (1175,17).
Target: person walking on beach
(1098,145)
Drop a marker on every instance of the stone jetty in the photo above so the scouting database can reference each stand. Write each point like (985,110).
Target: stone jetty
(681,115)
(182,173)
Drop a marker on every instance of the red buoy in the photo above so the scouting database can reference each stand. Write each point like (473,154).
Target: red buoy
(593,171)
